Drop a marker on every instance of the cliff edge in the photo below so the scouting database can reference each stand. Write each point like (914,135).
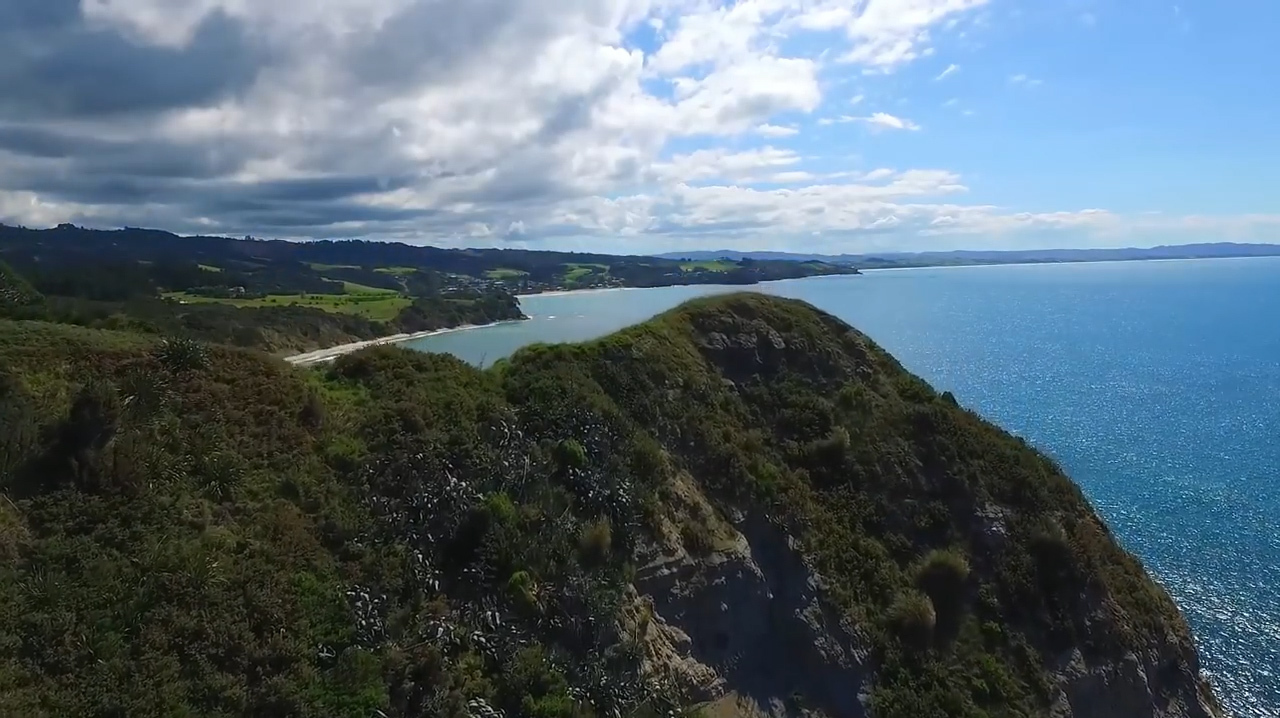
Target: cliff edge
(842,540)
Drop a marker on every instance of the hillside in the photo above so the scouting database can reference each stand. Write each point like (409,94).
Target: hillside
(741,507)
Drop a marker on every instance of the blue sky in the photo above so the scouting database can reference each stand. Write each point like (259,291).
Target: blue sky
(649,125)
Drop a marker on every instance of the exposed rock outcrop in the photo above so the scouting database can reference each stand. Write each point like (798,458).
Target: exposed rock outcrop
(1160,684)
(748,621)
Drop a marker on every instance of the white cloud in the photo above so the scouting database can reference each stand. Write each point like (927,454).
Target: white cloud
(791,177)
(889,33)
(1023,80)
(720,164)
(716,36)
(740,95)
(951,70)
(885,120)
(876,120)
(768,130)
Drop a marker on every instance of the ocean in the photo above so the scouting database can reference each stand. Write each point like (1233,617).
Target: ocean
(1156,385)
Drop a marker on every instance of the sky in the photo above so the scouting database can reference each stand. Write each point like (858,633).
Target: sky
(639,126)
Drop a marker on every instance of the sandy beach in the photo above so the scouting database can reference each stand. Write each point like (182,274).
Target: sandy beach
(589,290)
(329,354)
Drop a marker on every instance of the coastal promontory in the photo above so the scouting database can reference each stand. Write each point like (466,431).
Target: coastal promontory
(742,507)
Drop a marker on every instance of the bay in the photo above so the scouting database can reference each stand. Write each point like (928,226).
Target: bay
(1155,384)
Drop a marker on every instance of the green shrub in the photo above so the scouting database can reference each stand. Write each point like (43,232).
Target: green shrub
(942,575)
(180,354)
(913,618)
(697,538)
(570,454)
(502,512)
(14,535)
(523,590)
(595,544)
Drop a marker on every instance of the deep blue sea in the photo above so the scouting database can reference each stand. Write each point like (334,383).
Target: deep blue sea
(1155,384)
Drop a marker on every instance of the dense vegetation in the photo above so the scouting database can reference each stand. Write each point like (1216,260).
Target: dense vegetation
(193,529)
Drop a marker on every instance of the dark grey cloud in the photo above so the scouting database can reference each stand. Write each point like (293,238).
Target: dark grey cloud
(58,183)
(85,154)
(210,196)
(434,38)
(324,189)
(571,113)
(38,15)
(54,65)
(324,215)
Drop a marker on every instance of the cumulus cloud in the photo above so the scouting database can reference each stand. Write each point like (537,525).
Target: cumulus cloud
(768,130)
(720,164)
(889,33)
(489,121)
(885,120)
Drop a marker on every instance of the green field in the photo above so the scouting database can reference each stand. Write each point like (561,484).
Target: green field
(576,272)
(209,268)
(354,288)
(504,273)
(321,267)
(712,265)
(396,270)
(377,304)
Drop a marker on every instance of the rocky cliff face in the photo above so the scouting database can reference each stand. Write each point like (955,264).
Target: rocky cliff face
(746,629)
(1162,681)
(745,625)
(743,618)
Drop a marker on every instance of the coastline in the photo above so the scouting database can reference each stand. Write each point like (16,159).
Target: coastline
(1068,261)
(319,356)
(587,290)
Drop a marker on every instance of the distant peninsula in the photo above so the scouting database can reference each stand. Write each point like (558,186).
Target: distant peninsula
(963,257)
(292,297)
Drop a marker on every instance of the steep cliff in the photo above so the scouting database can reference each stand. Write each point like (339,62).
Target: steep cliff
(876,549)
(742,507)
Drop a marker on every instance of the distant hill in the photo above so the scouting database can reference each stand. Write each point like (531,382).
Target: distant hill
(971,257)
(278,264)
(294,297)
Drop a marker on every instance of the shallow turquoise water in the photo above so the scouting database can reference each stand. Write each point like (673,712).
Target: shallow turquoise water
(1155,384)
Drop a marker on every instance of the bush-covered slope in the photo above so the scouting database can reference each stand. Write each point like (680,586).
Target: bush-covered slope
(742,505)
